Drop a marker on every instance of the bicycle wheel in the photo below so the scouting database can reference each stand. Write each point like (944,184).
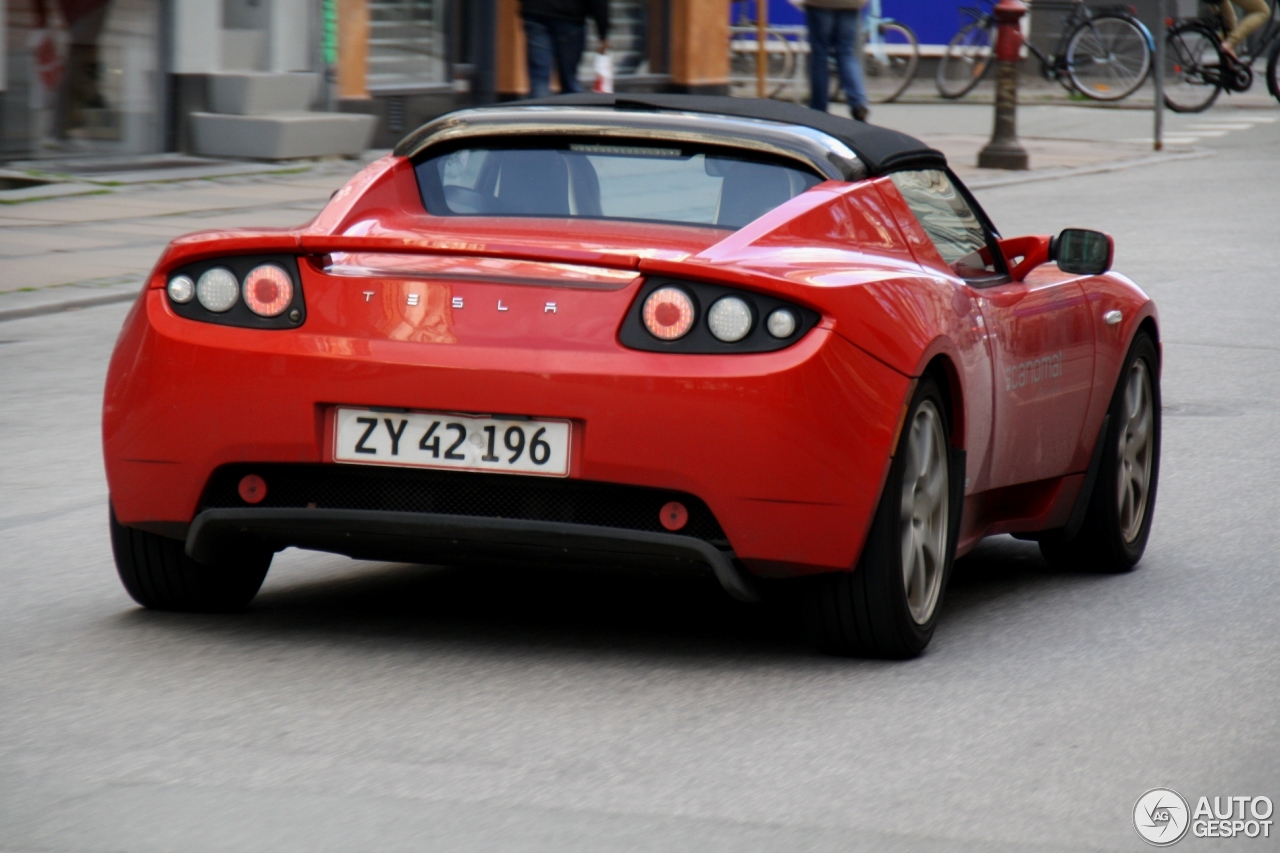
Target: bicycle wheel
(1193,63)
(966,61)
(1108,57)
(889,61)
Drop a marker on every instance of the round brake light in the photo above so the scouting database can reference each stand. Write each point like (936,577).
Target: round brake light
(668,313)
(268,290)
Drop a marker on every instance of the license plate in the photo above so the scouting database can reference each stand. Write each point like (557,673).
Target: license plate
(461,442)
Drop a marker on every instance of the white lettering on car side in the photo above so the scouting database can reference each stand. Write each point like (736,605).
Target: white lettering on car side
(1032,372)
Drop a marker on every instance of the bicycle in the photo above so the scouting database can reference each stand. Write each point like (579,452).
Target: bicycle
(890,56)
(1198,69)
(1104,53)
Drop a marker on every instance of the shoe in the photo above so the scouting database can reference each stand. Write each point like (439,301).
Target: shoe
(861,113)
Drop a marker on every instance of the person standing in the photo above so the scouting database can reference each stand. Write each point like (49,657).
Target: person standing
(833,26)
(556,32)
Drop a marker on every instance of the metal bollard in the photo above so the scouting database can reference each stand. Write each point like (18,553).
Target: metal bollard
(1004,151)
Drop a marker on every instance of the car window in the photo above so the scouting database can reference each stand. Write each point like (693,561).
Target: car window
(946,216)
(610,181)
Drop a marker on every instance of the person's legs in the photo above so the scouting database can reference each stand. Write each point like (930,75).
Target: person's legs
(1258,14)
(568,40)
(820,23)
(537,38)
(849,61)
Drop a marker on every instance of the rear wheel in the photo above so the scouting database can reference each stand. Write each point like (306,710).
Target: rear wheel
(1117,522)
(158,574)
(1108,58)
(889,62)
(966,60)
(1193,64)
(888,606)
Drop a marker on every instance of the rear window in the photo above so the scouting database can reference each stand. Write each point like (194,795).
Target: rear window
(595,180)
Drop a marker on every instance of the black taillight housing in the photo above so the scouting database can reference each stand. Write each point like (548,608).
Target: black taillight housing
(268,283)
(699,338)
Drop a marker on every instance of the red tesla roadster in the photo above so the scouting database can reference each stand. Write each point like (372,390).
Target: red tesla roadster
(722,335)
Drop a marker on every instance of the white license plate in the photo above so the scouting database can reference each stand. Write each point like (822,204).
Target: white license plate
(462,442)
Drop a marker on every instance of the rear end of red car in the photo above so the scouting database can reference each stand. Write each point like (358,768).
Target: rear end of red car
(389,385)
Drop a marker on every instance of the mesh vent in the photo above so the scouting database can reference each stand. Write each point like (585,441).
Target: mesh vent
(461,493)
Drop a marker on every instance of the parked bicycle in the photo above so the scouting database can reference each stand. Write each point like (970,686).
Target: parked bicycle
(1198,69)
(890,55)
(1104,53)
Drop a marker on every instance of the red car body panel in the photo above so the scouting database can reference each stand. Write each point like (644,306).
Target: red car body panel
(789,449)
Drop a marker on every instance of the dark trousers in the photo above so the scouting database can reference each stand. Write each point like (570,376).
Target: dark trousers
(554,40)
(834,31)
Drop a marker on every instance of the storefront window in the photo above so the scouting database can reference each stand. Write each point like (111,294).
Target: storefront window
(408,44)
(83,78)
(637,40)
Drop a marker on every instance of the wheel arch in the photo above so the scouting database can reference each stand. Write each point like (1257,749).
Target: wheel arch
(943,370)
(1149,325)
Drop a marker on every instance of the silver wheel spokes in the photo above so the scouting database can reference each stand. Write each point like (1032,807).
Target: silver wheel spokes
(924,513)
(1134,455)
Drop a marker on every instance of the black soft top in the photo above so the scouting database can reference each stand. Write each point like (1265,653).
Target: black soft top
(880,149)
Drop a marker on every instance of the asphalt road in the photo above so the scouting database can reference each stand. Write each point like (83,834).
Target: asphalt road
(381,707)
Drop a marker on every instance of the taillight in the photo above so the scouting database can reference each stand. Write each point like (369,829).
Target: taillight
(729,319)
(669,313)
(781,323)
(251,291)
(268,290)
(217,289)
(181,289)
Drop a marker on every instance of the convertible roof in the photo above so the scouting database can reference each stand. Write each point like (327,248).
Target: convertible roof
(880,149)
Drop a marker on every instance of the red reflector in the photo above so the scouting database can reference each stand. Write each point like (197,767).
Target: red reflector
(252,489)
(673,515)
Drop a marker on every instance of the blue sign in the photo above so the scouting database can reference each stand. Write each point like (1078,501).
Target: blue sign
(934,21)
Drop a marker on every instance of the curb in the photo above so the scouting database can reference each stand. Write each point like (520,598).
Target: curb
(1077,171)
(24,312)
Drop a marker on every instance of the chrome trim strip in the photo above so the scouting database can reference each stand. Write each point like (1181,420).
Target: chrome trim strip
(818,151)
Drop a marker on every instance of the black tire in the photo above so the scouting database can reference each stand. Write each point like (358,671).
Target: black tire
(1193,63)
(1108,57)
(966,60)
(1103,544)
(1273,72)
(869,612)
(158,574)
(888,74)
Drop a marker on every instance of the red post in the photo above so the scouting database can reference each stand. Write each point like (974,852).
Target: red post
(1004,151)
(1009,31)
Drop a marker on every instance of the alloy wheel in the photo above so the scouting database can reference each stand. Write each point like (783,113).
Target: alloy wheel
(924,512)
(1134,453)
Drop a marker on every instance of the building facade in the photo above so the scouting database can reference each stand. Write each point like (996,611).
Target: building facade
(126,77)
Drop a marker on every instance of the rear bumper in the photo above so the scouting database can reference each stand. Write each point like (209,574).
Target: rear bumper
(453,539)
(787,449)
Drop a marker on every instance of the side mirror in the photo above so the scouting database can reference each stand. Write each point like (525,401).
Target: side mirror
(1082,252)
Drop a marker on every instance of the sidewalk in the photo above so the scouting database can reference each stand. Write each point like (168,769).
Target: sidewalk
(97,245)
(75,251)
